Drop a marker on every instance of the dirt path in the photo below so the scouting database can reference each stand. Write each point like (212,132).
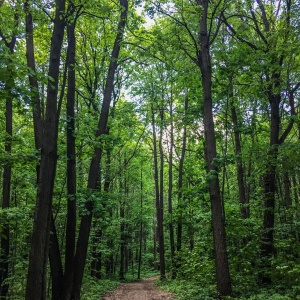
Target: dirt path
(142,290)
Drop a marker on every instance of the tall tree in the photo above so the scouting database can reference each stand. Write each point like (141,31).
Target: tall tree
(10,43)
(218,222)
(245,213)
(36,279)
(265,20)
(158,205)
(73,13)
(93,177)
(180,180)
(170,189)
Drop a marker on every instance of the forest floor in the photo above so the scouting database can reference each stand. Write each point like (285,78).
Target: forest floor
(141,290)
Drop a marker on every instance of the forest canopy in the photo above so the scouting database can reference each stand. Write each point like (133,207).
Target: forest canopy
(150,137)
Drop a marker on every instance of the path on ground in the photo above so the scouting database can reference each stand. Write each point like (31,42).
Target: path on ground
(141,290)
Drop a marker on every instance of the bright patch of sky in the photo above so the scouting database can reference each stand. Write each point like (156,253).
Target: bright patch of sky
(141,12)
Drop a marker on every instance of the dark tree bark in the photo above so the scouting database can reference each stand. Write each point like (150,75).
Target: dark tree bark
(56,266)
(222,267)
(170,193)
(34,86)
(71,160)
(158,229)
(273,93)
(245,213)
(273,79)
(36,279)
(141,227)
(267,241)
(6,191)
(160,212)
(93,177)
(54,252)
(7,171)
(180,183)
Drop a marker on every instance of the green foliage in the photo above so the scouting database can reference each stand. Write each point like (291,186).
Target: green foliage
(187,289)
(95,289)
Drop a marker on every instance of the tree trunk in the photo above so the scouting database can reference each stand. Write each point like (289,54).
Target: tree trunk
(34,86)
(36,279)
(55,263)
(222,267)
(6,185)
(159,228)
(93,177)
(170,194)
(71,165)
(180,183)
(245,213)
(6,191)
(160,221)
(267,241)
(141,227)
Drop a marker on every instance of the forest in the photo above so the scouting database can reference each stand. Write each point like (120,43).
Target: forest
(150,137)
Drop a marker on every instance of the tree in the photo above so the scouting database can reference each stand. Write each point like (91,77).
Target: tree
(9,43)
(93,178)
(36,280)
(273,57)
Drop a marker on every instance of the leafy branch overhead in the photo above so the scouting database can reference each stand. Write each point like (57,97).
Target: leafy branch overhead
(142,138)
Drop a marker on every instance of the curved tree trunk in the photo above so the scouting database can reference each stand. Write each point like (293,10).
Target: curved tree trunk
(86,220)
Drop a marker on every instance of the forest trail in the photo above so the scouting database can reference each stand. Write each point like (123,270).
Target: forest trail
(141,290)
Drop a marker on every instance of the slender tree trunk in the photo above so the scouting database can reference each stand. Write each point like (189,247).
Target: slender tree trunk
(245,213)
(267,241)
(56,266)
(170,193)
(222,267)
(71,165)
(161,201)
(34,86)
(180,184)
(6,191)
(141,228)
(7,171)
(36,279)
(159,229)
(93,177)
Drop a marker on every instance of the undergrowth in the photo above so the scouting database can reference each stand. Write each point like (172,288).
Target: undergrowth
(191,290)
(94,289)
